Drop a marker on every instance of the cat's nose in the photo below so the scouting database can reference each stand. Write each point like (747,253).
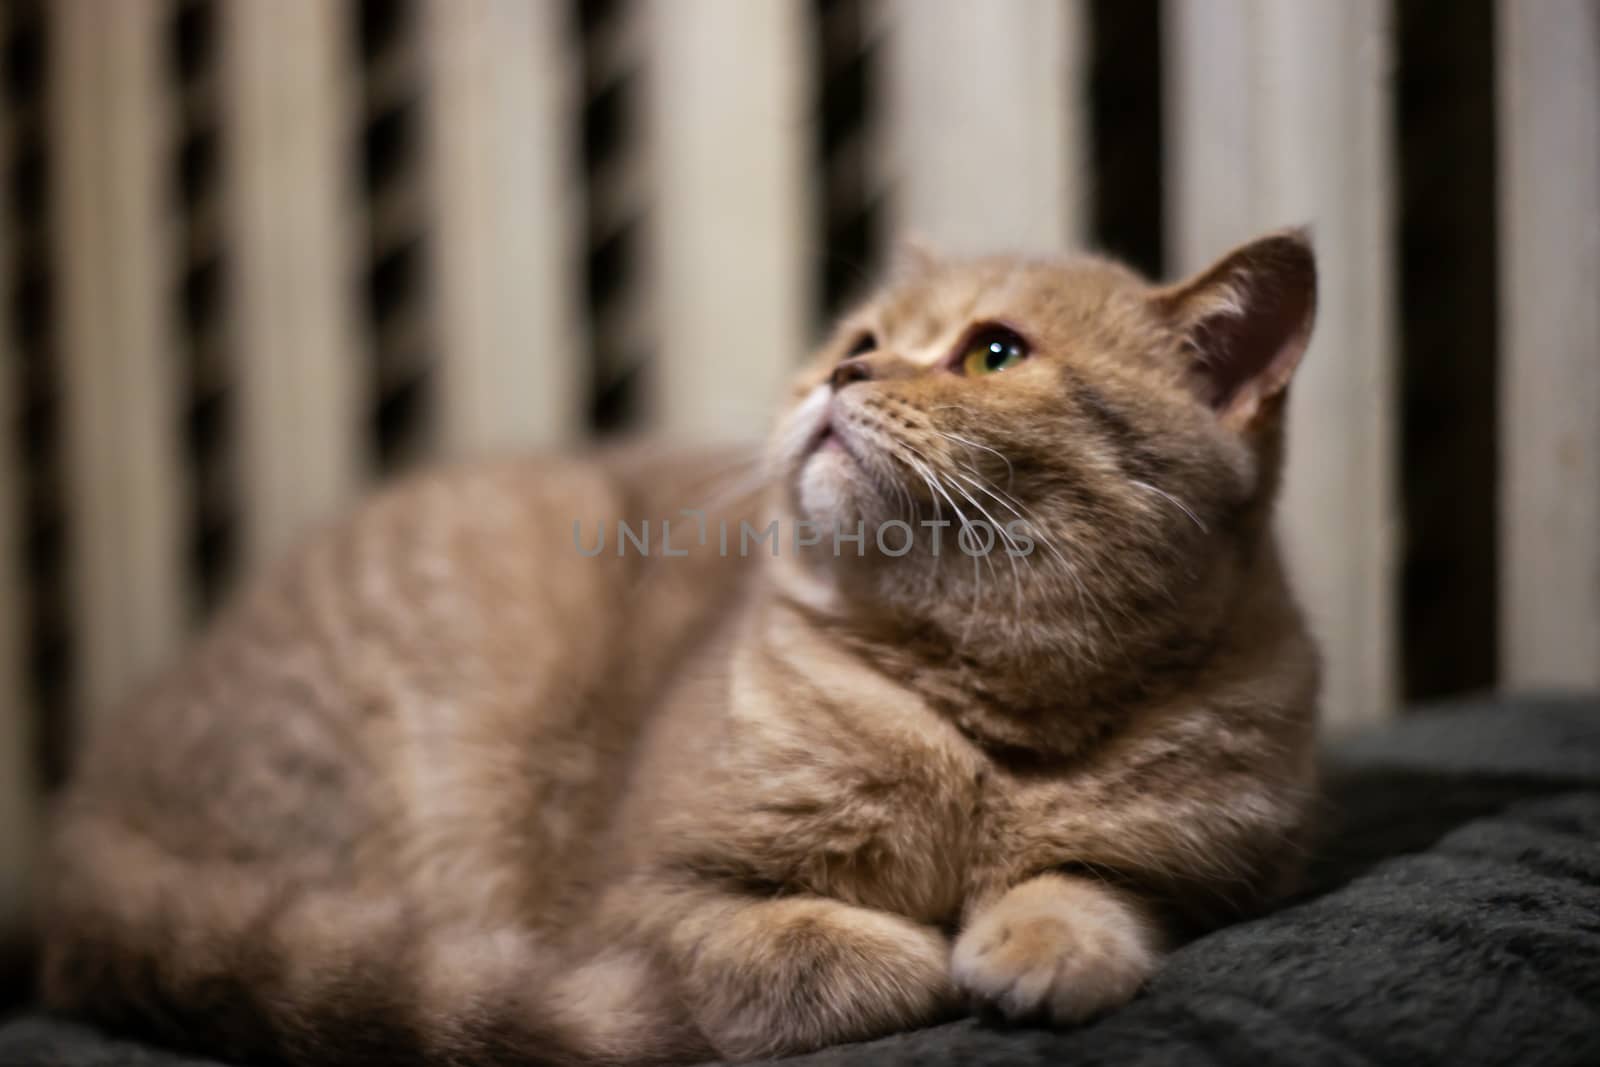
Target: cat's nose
(851,370)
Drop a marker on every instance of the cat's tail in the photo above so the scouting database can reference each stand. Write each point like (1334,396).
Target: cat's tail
(210,958)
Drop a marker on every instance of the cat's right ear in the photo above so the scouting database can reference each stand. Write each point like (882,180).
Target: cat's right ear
(1246,321)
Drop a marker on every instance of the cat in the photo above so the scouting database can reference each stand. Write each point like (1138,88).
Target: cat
(455,785)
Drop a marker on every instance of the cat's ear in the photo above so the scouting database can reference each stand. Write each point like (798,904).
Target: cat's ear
(914,255)
(1246,321)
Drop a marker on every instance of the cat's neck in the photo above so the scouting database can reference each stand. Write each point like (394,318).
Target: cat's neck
(1040,692)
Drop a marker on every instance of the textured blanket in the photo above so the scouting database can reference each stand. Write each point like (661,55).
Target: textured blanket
(1453,917)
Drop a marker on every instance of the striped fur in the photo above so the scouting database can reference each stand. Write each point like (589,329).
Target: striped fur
(445,788)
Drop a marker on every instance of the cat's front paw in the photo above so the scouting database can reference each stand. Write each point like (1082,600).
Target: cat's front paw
(1055,950)
(792,974)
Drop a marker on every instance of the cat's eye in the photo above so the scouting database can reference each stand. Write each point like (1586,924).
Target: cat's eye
(991,349)
(862,345)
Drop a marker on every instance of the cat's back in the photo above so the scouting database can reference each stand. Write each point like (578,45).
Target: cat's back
(445,618)
(421,709)
(443,592)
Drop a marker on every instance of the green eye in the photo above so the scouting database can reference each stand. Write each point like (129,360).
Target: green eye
(993,349)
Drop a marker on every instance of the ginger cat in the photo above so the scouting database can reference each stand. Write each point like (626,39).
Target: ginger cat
(453,787)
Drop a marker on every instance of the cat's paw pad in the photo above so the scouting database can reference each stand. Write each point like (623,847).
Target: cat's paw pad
(1047,960)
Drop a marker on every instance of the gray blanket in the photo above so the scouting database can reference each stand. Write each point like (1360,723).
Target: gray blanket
(1453,917)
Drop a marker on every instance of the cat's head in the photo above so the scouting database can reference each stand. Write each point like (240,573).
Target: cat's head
(1121,438)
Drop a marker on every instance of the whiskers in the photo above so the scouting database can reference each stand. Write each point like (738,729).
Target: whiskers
(962,487)
(734,483)
(928,471)
(972,488)
(1156,490)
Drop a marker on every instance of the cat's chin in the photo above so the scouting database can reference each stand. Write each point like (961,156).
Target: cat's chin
(831,487)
